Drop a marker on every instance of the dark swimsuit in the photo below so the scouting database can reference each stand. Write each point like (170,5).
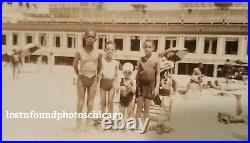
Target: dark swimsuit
(125,99)
(86,81)
(145,82)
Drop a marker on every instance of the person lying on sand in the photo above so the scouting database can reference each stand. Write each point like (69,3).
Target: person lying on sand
(207,85)
(224,87)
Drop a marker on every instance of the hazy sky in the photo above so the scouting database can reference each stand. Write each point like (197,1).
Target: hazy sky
(126,5)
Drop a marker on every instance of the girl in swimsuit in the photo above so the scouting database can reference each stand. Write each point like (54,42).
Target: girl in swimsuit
(109,77)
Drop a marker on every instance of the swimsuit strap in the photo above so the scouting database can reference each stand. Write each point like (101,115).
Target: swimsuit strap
(122,82)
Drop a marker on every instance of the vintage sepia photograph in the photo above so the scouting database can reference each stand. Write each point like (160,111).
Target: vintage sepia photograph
(124,71)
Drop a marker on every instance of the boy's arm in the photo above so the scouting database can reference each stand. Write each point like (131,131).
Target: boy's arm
(138,71)
(133,89)
(116,72)
(76,62)
(157,85)
(119,87)
(99,66)
(157,74)
(117,80)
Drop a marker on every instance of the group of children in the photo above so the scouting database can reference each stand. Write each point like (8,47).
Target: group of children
(93,66)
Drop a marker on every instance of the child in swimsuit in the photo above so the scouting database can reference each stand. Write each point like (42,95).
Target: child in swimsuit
(197,72)
(167,89)
(193,88)
(127,90)
(89,60)
(167,84)
(15,64)
(109,77)
(148,79)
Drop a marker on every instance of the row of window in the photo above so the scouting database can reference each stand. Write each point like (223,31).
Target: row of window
(207,70)
(210,43)
(71,40)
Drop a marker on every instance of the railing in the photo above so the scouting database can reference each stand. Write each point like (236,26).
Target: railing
(152,17)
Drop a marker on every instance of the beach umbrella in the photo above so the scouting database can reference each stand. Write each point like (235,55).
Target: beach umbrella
(166,64)
(28,49)
(175,54)
(17,49)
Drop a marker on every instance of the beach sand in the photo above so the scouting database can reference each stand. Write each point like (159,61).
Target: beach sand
(41,91)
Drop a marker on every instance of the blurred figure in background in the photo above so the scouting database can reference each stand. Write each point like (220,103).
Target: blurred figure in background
(51,61)
(197,72)
(39,62)
(14,60)
(193,88)
(228,70)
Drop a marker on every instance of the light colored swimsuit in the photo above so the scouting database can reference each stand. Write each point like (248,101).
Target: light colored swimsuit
(89,62)
(109,68)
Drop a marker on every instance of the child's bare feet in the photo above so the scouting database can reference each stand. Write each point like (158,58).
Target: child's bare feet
(237,96)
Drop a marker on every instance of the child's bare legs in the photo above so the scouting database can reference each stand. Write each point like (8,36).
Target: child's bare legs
(139,109)
(143,103)
(80,101)
(111,93)
(14,72)
(130,109)
(17,70)
(103,100)
(147,103)
(122,110)
(91,97)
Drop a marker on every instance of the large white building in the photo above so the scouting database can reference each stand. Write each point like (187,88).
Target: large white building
(211,36)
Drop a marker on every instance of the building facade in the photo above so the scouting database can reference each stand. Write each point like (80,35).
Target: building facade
(213,5)
(74,8)
(210,36)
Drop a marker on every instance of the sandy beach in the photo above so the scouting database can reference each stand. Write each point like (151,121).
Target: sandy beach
(41,91)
